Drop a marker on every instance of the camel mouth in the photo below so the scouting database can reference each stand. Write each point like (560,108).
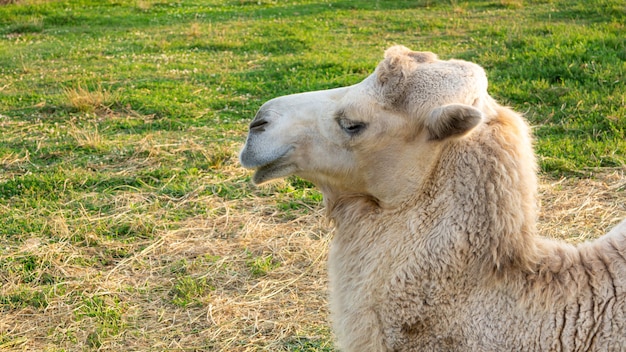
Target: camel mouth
(272,171)
(279,167)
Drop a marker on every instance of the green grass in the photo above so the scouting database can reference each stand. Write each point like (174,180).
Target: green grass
(261,265)
(123,206)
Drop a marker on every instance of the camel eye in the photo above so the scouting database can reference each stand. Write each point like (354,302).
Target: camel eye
(352,128)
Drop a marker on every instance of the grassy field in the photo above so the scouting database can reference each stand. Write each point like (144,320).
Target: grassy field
(127,222)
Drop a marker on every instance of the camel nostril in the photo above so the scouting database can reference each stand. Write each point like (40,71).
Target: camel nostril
(258,125)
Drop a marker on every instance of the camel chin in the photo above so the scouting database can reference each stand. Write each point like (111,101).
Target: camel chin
(272,171)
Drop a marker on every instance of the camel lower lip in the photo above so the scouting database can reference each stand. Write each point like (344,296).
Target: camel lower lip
(275,169)
(272,171)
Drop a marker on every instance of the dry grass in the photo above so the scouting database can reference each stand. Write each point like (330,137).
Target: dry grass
(141,232)
(195,30)
(90,100)
(239,276)
(86,137)
(195,284)
(147,5)
(578,210)
(11,159)
(144,5)
(25,2)
(516,4)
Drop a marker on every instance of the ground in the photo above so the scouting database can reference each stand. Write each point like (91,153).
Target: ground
(127,221)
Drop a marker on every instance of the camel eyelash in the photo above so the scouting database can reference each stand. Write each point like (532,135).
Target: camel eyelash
(351,127)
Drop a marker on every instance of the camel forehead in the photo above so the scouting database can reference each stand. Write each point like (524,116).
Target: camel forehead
(301,103)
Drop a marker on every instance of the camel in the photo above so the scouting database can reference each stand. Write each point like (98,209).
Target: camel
(432,188)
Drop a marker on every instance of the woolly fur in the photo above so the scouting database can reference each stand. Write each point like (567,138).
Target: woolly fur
(444,254)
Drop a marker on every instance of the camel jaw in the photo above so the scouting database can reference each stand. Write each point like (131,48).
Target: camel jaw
(267,169)
(273,171)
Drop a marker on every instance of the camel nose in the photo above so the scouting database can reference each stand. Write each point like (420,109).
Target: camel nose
(258,125)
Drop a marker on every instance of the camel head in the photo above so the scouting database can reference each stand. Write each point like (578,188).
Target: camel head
(377,138)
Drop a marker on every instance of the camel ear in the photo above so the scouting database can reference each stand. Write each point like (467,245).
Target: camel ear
(452,120)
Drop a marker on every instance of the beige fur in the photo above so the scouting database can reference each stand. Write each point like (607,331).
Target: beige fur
(432,187)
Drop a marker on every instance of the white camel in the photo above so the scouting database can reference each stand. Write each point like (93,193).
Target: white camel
(432,188)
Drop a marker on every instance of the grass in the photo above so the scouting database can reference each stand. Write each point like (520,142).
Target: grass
(127,221)
(89,101)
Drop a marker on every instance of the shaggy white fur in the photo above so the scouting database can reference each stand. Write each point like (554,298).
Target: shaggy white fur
(432,187)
